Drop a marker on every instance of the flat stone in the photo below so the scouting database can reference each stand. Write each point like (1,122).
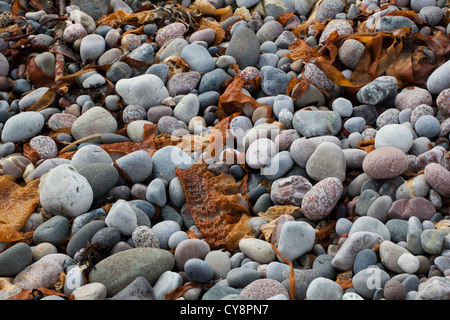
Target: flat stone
(127,265)
(317,123)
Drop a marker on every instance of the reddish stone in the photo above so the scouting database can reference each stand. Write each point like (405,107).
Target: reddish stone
(406,208)
(438,178)
(385,163)
(320,200)
(436,155)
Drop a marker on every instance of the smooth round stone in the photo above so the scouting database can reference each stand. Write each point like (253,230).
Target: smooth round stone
(439,79)
(43,249)
(156,193)
(417,5)
(65,192)
(198,58)
(183,83)
(190,249)
(263,130)
(83,236)
(138,165)
(175,238)
(126,217)
(15,259)
(317,123)
(316,76)
(342,106)
(166,159)
(107,237)
(301,150)
(432,240)
(164,230)
(135,130)
(263,289)
(327,160)
(431,14)
(320,200)
(45,146)
(154,114)
(219,262)
(350,53)
(244,47)
(296,239)
(354,158)
(127,265)
(403,137)
(166,283)
(90,154)
(385,163)
(260,152)
(370,224)
(364,259)
(324,289)
(290,190)
(90,291)
(389,253)
(273,81)
(101,176)
(94,121)
(443,102)
(351,296)
(269,31)
(258,250)
(367,281)
(398,229)
(176,193)
(394,290)
(277,166)
(411,283)
(438,177)
(427,126)
(54,230)
(118,70)
(145,237)
(323,265)
(187,108)
(241,277)
(443,263)
(239,126)
(146,90)
(408,263)
(73,32)
(160,70)
(92,47)
(328,9)
(198,270)
(212,80)
(345,257)
(343,226)
(32,97)
(169,32)
(22,126)
(409,98)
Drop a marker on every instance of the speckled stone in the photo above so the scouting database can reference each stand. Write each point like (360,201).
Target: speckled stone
(385,163)
(342,27)
(443,102)
(169,32)
(316,76)
(410,98)
(320,200)
(45,146)
(438,177)
(263,289)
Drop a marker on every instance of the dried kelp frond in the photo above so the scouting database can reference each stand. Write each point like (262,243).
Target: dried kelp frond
(218,209)
(17,205)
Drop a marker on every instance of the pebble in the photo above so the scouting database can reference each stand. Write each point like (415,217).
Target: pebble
(127,265)
(15,259)
(296,239)
(385,163)
(327,160)
(257,250)
(390,207)
(320,200)
(262,289)
(324,289)
(94,121)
